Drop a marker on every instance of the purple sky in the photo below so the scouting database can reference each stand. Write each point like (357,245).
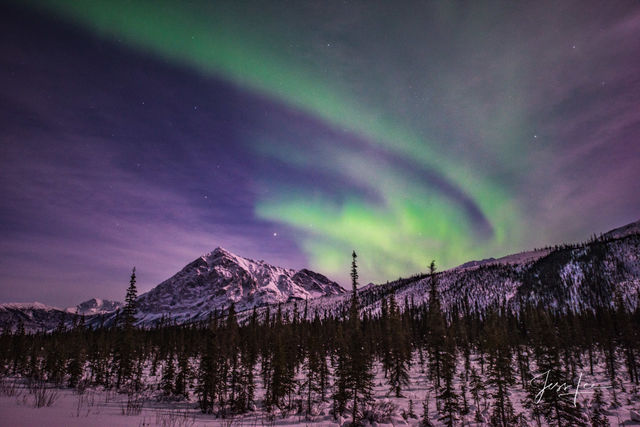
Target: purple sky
(113,155)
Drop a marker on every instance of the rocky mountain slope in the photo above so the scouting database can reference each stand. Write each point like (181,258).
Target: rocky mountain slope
(32,316)
(95,306)
(36,316)
(215,280)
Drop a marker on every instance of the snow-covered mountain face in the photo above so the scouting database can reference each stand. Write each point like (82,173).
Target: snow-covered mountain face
(515,259)
(566,279)
(33,316)
(573,278)
(36,316)
(626,230)
(215,280)
(95,306)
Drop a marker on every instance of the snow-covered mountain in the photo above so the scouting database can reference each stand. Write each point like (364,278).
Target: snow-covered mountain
(519,258)
(568,278)
(211,282)
(217,279)
(95,306)
(34,316)
(626,230)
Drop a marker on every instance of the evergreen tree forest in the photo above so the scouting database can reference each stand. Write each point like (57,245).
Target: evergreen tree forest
(301,359)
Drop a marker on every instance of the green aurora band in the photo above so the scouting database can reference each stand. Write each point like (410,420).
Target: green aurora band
(413,221)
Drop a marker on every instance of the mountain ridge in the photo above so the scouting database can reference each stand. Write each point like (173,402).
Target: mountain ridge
(568,277)
(565,278)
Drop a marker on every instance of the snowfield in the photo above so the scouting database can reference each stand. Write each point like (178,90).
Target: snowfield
(99,407)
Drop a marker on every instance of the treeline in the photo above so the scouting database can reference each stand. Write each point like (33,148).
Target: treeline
(302,359)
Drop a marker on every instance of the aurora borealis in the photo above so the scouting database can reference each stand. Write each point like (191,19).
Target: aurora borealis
(146,133)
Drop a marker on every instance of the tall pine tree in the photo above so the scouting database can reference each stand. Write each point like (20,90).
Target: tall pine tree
(354,372)
(125,350)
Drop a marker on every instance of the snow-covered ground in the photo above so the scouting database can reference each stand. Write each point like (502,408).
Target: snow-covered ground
(99,407)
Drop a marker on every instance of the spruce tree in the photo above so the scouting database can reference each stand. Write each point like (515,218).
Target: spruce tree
(500,371)
(232,350)
(354,376)
(75,368)
(425,420)
(597,416)
(447,394)
(248,359)
(131,301)
(310,387)
(399,351)
(124,351)
(323,366)
(211,381)
(183,375)
(628,337)
(476,387)
(435,329)
(281,381)
(341,373)
(167,383)
(557,410)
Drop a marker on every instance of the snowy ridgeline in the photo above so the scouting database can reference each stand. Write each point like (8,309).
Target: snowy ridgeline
(572,279)
(100,407)
(566,279)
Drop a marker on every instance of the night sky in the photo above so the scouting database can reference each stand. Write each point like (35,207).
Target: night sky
(149,133)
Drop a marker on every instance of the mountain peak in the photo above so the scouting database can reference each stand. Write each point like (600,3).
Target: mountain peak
(95,306)
(219,278)
(220,251)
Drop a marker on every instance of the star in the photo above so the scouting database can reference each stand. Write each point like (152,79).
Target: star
(275,234)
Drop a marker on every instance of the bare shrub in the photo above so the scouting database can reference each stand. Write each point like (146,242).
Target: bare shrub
(86,401)
(380,411)
(133,405)
(43,396)
(175,418)
(82,385)
(22,399)
(109,396)
(9,387)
